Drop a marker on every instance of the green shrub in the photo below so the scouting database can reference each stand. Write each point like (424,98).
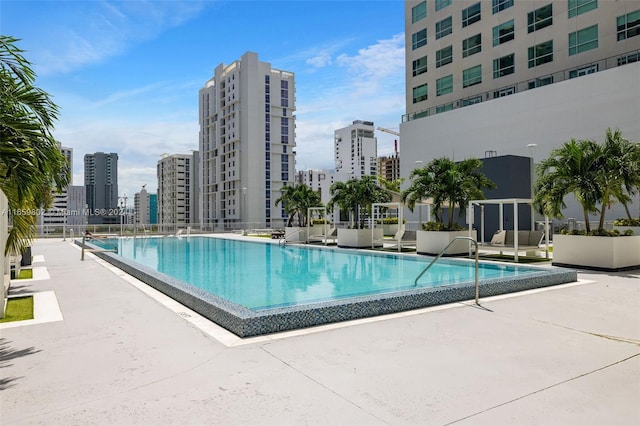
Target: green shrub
(439,226)
(319,221)
(389,221)
(599,233)
(627,222)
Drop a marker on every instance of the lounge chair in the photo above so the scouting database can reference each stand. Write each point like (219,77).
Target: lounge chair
(404,238)
(503,240)
(332,236)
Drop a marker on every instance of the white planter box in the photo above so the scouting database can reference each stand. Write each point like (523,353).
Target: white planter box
(295,234)
(358,238)
(601,253)
(433,242)
(318,229)
(389,229)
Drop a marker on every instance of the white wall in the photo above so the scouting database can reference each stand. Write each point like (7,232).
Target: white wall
(581,108)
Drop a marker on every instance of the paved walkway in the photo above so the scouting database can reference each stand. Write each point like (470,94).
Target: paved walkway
(114,354)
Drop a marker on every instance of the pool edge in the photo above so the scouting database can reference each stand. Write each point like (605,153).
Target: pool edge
(245,322)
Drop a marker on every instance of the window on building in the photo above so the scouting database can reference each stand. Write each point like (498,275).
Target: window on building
(419,39)
(472,76)
(628,59)
(504,66)
(420,66)
(419,114)
(504,92)
(583,40)
(470,15)
(444,108)
(542,81)
(441,4)
(541,54)
(471,45)
(444,85)
(500,5)
(540,18)
(579,72)
(444,56)
(628,25)
(503,33)
(418,12)
(577,7)
(420,93)
(471,101)
(444,27)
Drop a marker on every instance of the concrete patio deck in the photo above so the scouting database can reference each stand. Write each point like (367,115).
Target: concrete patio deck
(113,351)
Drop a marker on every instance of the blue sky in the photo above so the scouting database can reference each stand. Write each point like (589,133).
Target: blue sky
(126,74)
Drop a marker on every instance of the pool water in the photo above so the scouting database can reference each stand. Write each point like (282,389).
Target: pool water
(262,276)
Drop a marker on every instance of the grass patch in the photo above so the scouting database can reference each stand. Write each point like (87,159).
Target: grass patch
(25,274)
(18,309)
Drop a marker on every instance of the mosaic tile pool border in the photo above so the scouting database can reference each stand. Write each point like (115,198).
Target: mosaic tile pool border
(245,322)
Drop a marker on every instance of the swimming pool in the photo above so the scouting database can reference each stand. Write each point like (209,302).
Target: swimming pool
(255,288)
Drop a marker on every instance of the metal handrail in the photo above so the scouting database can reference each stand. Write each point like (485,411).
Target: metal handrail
(415,283)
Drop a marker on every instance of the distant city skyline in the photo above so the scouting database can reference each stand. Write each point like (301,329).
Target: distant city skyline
(126,74)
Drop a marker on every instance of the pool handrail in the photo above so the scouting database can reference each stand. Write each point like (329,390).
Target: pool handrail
(84,237)
(475,243)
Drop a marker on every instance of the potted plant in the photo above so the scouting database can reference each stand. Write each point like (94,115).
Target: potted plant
(296,200)
(356,197)
(451,185)
(597,175)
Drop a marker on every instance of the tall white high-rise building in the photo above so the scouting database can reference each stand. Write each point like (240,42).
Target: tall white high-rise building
(518,77)
(356,150)
(247,143)
(177,187)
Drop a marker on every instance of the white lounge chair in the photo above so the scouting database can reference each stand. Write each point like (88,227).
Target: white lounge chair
(404,238)
(332,236)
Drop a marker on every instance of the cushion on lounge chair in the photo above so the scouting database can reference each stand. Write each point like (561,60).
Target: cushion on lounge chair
(498,237)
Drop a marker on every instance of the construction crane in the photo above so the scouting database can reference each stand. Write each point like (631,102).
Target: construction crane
(393,132)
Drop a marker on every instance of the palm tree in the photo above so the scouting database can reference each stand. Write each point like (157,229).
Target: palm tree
(357,196)
(391,185)
(296,200)
(447,183)
(307,198)
(31,163)
(572,168)
(621,178)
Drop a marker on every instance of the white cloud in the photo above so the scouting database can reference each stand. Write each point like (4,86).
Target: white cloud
(321,60)
(103,30)
(139,147)
(366,86)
